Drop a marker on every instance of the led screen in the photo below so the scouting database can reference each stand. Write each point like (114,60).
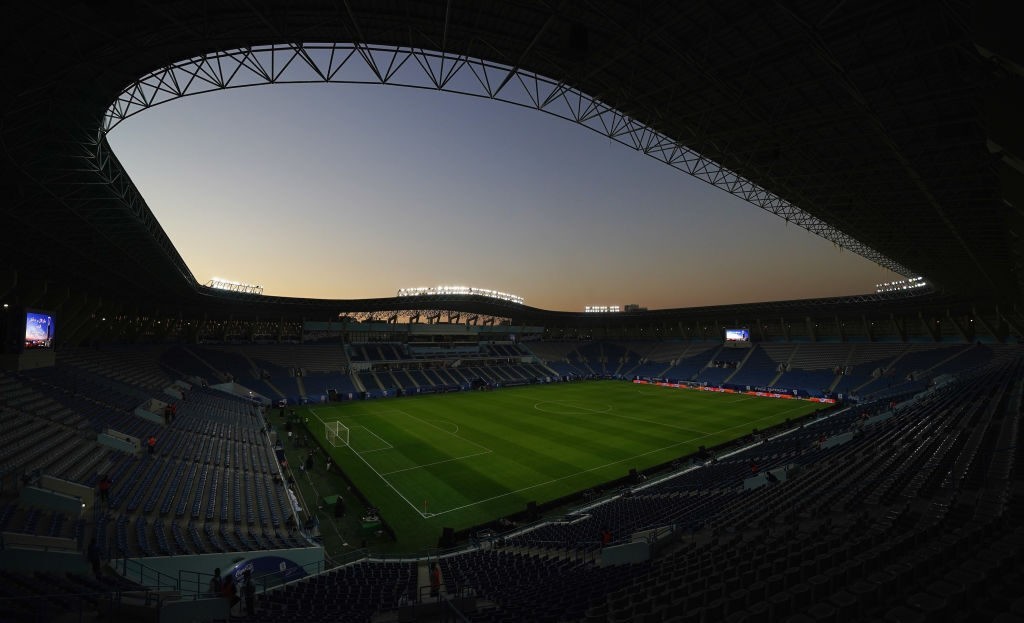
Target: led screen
(38,330)
(737,335)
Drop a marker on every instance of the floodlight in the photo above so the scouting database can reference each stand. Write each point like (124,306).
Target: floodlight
(461,290)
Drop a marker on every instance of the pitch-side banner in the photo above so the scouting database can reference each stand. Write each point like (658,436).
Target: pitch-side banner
(724,390)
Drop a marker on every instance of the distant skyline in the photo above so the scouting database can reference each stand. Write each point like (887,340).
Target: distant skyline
(345,191)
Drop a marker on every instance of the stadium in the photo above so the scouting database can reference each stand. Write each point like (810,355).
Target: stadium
(453,453)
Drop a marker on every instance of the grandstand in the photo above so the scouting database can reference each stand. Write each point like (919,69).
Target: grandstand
(888,129)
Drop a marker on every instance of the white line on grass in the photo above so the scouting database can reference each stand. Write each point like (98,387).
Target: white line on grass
(569,405)
(452,423)
(630,458)
(382,412)
(773,415)
(375,435)
(386,481)
(495,497)
(458,458)
(687,430)
(447,432)
(609,414)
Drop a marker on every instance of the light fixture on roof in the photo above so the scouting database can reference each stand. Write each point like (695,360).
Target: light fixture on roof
(233,286)
(461,290)
(912,283)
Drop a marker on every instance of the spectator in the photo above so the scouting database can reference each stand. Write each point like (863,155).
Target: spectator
(216,583)
(249,592)
(93,554)
(435,580)
(229,591)
(104,487)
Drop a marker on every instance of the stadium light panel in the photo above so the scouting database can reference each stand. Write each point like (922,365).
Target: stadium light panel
(234,286)
(461,290)
(913,283)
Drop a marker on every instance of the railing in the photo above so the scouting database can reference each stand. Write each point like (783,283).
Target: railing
(147,576)
(196,584)
(451,607)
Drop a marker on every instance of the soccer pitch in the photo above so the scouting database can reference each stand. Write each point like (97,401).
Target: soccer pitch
(462,459)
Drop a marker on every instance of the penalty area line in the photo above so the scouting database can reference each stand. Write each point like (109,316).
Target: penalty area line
(387,482)
(458,458)
(385,441)
(630,458)
(572,475)
(374,469)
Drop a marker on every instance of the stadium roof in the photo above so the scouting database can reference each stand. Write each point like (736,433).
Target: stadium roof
(895,124)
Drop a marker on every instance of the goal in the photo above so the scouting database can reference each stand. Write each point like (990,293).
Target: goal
(336,433)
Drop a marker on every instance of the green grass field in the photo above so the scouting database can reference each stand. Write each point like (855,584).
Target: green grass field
(462,459)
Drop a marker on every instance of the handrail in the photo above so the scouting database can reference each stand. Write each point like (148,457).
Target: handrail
(147,574)
(264,582)
(447,601)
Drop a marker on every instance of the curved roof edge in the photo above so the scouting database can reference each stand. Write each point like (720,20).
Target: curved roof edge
(235,303)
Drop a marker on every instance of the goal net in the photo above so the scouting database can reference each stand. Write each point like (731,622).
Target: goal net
(336,433)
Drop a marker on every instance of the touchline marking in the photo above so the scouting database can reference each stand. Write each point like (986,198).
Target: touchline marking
(630,458)
(458,458)
(360,457)
(609,413)
(387,482)
(311,410)
(541,484)
(760,418)
(591,469)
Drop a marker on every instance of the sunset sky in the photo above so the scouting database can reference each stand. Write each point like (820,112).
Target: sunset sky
(342,191)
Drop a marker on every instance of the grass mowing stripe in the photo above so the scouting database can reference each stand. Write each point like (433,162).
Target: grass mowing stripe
(557,446)
(386,481)
(415,444)
(360,457)
(554,480)
(360,440)
(457,458)
(444,431)
(603,428)
(603,425)
(609,412)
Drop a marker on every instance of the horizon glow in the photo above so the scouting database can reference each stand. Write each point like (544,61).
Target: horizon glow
(343,191)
